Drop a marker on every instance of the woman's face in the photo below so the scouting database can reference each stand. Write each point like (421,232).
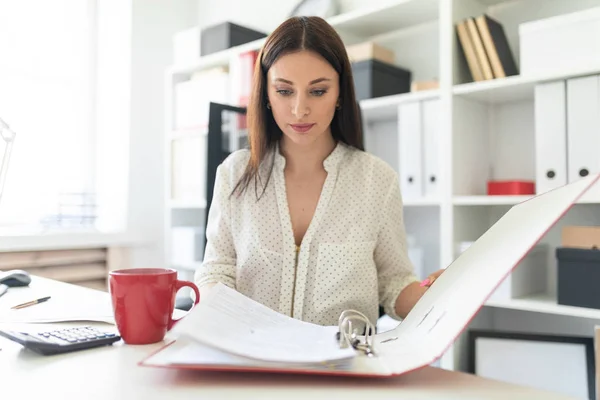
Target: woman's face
(303,90)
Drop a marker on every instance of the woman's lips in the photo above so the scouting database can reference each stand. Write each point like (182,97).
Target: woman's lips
(302,128)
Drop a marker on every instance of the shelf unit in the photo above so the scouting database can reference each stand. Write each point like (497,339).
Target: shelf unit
(514,88)
(485,132)
(386,107)
(489,200)
(544,303)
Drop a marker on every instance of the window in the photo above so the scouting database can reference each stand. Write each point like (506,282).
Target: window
(47,96)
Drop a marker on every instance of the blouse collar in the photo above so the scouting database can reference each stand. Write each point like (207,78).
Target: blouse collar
(330,163)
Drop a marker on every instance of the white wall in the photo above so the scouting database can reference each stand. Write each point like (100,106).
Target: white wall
(262,15)
(113,114)
(153,24)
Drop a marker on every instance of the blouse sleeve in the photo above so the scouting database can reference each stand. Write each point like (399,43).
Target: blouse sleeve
(219,263)
(395,270)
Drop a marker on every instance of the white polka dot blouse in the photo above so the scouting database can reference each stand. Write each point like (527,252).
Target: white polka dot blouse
(353,255)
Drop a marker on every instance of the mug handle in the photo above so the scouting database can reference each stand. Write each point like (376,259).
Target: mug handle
(178,285)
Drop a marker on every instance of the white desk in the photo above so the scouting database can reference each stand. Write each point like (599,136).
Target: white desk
(112,373)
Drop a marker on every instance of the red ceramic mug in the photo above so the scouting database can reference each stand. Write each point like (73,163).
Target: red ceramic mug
(143,301)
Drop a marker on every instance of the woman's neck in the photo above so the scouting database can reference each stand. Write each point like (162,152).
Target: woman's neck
(308,158)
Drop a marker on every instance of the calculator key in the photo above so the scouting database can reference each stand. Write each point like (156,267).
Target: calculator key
(51,339)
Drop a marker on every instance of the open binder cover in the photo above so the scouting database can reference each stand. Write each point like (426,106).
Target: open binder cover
(428,331)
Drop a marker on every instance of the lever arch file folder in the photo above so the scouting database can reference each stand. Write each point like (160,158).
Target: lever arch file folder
(550,135)
(583,126)
(431,327)
(410,142)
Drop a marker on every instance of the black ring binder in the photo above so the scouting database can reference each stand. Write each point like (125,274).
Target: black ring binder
(348,332)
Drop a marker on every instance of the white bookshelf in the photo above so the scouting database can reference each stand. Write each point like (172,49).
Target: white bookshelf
(514,88)
(486,132)
(544,303)
(386,107)
(386,16)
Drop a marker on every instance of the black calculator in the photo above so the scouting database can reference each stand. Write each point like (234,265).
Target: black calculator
(62,340)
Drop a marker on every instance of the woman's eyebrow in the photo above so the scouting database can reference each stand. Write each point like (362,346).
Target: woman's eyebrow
(322,79)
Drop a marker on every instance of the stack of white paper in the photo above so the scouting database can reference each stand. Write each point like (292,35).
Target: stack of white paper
(228,321)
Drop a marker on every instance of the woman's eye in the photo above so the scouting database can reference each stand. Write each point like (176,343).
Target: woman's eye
(319,92)
(284,92)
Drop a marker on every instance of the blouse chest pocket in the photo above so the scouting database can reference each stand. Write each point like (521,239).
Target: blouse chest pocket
(346,274)
(257,270)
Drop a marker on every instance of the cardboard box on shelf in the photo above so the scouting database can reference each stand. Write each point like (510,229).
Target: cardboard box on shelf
(585,237)
(369,51)
(417,86)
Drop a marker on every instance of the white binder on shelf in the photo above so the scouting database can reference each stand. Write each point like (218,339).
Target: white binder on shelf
(246,336)
(410,141)
(583,126)
(550,135)
(431,151)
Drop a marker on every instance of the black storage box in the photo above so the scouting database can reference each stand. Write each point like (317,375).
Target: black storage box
(224,36)
(374,78)
(578,280)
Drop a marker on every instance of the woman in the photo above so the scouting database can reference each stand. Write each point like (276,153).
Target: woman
(305,221)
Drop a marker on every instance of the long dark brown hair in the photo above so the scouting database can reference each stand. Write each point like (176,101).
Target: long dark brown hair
(295,34)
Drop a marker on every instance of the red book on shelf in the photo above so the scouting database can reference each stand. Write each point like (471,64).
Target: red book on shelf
(510,187)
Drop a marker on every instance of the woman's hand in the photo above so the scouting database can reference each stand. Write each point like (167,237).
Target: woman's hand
(431,278)
(412,293)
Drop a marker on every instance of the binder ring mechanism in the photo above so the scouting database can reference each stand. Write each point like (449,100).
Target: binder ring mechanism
(350,323)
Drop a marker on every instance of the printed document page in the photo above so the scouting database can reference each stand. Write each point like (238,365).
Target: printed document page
(227,320)
(188,352)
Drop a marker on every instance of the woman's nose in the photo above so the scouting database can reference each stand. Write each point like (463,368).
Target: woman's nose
(300,107)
